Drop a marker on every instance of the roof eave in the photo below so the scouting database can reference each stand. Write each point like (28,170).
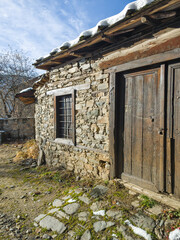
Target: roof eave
(127,23)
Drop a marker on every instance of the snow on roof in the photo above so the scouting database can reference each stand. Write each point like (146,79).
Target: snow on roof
(136,5)
(38,80)
(26,90)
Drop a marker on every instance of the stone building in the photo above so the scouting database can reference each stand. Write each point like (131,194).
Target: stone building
(19,123)
(18,109)
(108,105)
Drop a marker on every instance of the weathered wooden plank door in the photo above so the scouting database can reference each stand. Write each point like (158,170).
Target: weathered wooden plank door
(173,127)
(144,129)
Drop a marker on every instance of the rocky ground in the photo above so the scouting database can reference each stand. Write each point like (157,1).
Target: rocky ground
(43,203)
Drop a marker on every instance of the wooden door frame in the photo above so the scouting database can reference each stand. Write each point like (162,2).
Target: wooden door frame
(145,62)
(170,99)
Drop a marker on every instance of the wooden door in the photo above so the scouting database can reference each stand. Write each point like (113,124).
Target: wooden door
(144,129)
(173,134)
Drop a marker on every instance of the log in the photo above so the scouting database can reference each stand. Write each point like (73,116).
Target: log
(122,32)
(76,54)
(107,39)
(163,15)
(147,20)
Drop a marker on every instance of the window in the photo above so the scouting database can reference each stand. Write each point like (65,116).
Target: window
(64,116)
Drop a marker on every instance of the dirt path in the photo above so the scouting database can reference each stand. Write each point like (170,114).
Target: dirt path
(24,191)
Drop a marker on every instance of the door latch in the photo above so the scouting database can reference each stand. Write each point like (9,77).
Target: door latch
(161,131)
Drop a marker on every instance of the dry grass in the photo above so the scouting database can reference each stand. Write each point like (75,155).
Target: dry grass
(29,150)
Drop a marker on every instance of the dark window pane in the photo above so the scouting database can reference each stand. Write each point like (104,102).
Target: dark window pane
(64,116)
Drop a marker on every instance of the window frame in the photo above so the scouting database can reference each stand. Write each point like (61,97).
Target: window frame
(69,141)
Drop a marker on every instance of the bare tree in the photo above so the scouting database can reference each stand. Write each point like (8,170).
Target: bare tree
(15,71)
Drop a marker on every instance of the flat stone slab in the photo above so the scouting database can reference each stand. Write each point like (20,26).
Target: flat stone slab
(156,210)
(135,204)
(96,206)
(53,210)
(98,191)
(143,221)
(84,199)
(101,225)
(57,203)
(51,223)
(38,219)
(71,208)
(61,214)
(86,235)
(114,214)
(83,216)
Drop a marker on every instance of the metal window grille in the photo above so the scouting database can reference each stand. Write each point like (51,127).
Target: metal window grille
(64,116)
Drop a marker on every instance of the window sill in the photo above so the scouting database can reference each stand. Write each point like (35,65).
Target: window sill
(64,141)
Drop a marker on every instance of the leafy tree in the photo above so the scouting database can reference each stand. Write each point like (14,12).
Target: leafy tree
(15,71)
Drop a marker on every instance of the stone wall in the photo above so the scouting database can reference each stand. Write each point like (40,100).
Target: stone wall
(18,128)
(90,155)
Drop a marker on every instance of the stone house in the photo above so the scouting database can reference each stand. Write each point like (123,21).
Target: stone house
(19,123)
(16,108)
(108,105)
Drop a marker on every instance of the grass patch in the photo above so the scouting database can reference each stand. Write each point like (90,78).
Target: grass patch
(147,202)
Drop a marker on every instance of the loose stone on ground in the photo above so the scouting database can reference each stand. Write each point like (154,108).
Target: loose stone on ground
(143,221)
(51,223)
(101,225)
(39,218)
(61,214)
(114,214)
(86,235)
(71,208)
(98,191)
(57,203)
(83,216)
(84,199)
(156,210)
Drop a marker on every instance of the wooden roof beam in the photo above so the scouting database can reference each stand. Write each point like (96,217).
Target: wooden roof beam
(156,17)
(107,39)
(148,20)
(45,66)
(56,62)
(164,15)
(76,54)
(121,32)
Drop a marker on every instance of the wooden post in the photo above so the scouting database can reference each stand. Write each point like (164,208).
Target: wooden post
(112,124)
(162,137)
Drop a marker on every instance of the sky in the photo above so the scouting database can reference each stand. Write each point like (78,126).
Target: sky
(38,26)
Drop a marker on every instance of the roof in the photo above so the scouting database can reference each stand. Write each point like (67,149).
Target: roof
(27,95)
(107,31)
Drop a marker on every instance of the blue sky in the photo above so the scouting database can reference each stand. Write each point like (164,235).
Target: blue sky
(38,26)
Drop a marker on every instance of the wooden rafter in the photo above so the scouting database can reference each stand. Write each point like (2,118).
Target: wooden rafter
(107,39)
(56,62)
(164,15)
(148,20)
(76,54)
